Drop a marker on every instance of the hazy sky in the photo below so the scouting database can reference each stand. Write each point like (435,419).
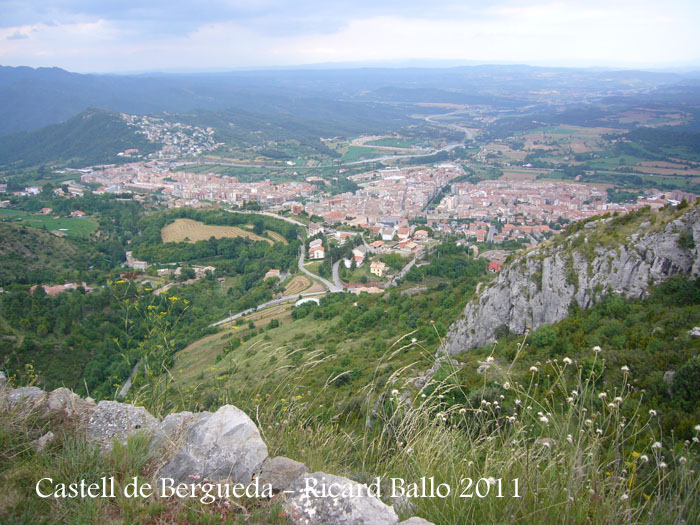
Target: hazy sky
(144,35)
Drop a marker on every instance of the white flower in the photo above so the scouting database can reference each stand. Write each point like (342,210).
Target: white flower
(624,497)
(652,412)
(599,431)
(618,399)
(657,444)
(567,361)
(569,399)
(462,410)
(506,385)
(602,395)
(663,465)
(544,419)
(696,428)
(489,359)
(574,393)
(597,349)
(517,401)
(612,405)
(484,402)
(491,480)
(644,458)
(394,392)
(695,439)
(413,339)
(625,368)
(682,460)
(533,369)
(588,422)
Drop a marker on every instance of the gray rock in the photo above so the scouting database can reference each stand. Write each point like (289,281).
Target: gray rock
(281,472)
(538,287)
(222,445)
(117,421)
(416,521)
(26,397)
(402,505)
(173,425)
(40,444)
(355,506)
(71,404)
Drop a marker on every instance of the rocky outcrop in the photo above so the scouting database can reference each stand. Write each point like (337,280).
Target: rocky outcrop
(222,445)
(607,255)
(325,499)
(281,473)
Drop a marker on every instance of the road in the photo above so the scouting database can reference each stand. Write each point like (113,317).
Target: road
(492,231)
(274,302)
(402,273)
(336,276)
(331,287)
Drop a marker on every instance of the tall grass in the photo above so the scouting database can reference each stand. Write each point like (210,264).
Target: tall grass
(579,453)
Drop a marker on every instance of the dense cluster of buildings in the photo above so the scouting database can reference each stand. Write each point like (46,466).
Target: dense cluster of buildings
(178,140)
(179,187)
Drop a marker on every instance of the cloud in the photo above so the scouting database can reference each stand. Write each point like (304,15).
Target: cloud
(17,35)
(86,35)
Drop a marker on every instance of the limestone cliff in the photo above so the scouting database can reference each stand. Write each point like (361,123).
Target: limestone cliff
(622,255)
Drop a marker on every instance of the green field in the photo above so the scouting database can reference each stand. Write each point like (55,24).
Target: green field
(391,143)
(355,153)
(78,227)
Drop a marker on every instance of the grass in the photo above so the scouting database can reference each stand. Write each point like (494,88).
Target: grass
(355,153)
(77,227)
(391,143)
(188,229)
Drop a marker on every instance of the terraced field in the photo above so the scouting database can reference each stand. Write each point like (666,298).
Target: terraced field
(191,230)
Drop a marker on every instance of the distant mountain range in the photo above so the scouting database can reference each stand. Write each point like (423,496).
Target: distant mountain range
(33,98)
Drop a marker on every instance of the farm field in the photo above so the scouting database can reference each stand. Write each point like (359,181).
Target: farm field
(191,230)
(298,284)
(71,226)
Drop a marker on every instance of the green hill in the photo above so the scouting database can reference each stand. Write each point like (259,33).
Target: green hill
(31,255)
(94,136)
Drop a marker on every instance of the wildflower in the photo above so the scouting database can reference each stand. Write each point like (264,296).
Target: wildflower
(574,393)
(462,410)
(644,458)
(597,349)
(602,395)
(567,361)
(533,369)
(506,385)
(682,460)
(569,438)
(484,402)
(625,368)
(413,339)
(489,359)
(696,428)
(696,440)
(652,412)
(588,422)
(491,480)
(544,419)
(394,392)
(517,401)
(618,399)
(663,465)
(624,497)
(569,399)
(657,444)
(612,405)
(599,431)
(409,450)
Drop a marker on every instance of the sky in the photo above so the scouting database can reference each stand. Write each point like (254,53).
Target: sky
(187,35)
